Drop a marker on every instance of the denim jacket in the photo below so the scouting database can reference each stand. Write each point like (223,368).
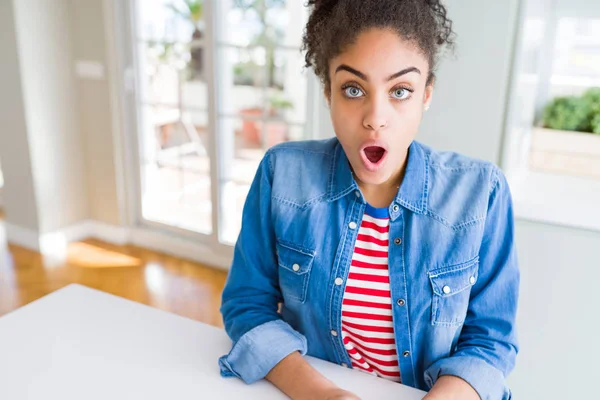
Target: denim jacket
(453,267)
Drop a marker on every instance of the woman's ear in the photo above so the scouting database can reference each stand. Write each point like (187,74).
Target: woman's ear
(427,97)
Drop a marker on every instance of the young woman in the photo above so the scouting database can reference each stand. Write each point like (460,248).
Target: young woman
(370,249)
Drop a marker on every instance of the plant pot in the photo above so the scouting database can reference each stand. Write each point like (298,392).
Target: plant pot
(565,152)
(250,128)
(276,131)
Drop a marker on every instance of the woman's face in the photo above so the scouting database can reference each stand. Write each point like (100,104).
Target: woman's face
(377,97)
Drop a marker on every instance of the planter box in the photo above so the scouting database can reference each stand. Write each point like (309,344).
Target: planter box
(572,153)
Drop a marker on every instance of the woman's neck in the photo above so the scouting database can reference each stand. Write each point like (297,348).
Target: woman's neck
(381,195)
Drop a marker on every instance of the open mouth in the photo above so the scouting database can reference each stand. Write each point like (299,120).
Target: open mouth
(374,153)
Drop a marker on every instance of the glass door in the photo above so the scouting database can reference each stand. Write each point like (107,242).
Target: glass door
(218,82)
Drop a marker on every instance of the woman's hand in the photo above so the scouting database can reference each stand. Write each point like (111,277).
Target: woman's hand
(295,377)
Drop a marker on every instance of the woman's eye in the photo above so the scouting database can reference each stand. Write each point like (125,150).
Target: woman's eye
(401,94)
(353,92)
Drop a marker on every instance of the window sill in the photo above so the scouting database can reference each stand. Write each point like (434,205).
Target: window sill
(556,199)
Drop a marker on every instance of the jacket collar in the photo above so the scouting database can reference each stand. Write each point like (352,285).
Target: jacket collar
(413,190)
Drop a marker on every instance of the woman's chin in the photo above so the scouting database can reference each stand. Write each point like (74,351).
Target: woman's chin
(371,178)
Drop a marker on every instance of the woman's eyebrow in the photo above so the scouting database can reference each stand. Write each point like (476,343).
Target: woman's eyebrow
(344,67)
(364,77)
(404,72)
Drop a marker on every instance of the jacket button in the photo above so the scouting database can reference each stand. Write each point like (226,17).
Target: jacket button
(296,267)
(339,281)
(398,241)
(396,207)
(472,280)
(401,302)
(406,353)
(446,289)
(333,333)
(352,225)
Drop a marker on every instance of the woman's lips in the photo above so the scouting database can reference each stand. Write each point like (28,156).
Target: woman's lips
(374,153)
(373,157)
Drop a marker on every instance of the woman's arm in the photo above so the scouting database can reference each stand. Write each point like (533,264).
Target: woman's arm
(295,377)
(450,387)
(250,299)
(265,346)
(487,345)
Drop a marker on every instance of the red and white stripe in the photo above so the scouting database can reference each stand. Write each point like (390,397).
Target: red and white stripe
(367,324)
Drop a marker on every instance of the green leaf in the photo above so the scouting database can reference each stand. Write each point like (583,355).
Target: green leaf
(190,10)
(280,103)
(567,113)
(596,123)
(592,96)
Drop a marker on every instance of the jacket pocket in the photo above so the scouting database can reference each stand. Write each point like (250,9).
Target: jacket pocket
(451,291)
(295,264)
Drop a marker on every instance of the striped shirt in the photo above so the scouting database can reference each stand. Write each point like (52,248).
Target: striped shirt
(367,324)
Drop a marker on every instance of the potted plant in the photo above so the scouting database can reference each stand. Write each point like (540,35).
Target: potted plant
(276,128)
(567,139)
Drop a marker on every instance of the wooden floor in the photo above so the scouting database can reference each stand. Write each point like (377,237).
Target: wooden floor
(168,283)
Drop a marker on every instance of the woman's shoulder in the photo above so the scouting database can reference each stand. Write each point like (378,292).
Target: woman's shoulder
(304,148)
(312,157)
(301,170)
(459,187)
(456,168)
(451,160)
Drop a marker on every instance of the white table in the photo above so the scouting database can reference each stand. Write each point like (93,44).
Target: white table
(79,343)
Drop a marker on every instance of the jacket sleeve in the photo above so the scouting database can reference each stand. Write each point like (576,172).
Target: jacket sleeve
(251,297)
(487,345)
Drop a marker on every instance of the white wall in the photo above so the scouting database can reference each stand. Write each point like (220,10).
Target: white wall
(467,111)
(578,8)
(558,313)
(18,193)
(94,108)
(1,183)
(50,100)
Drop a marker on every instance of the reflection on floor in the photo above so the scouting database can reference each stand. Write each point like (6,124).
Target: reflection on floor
(168,283)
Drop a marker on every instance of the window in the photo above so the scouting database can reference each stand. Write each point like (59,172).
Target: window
(576,64)
(219,83)
(262,92)
(554,166)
